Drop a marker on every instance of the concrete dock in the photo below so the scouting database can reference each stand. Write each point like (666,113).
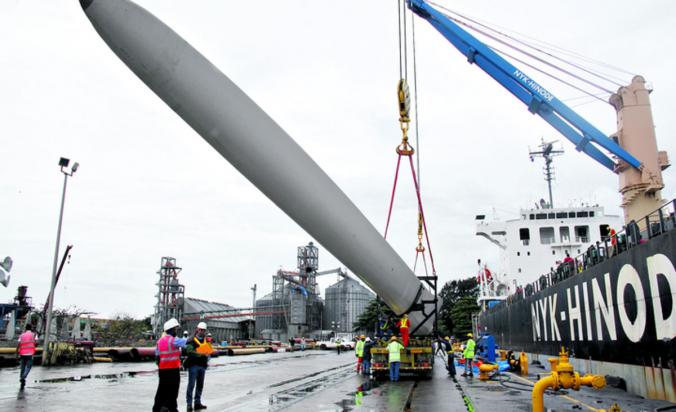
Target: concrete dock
(297,381)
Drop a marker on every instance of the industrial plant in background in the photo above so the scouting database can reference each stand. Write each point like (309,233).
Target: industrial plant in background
(295,307)
(170,295)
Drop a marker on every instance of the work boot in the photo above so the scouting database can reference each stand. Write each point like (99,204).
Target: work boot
(189,408)
(199,406)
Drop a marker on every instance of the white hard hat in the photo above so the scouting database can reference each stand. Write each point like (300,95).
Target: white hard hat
(368,339)
(170,324)
(202,325)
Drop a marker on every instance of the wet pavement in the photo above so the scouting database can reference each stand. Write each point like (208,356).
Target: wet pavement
(298,381)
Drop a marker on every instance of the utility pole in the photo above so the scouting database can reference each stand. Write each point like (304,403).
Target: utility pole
(253,317)
(547,152)
(63,163)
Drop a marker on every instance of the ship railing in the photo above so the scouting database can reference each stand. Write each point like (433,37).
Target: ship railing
(635,233)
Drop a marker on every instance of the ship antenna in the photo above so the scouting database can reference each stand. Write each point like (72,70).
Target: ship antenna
(547,152)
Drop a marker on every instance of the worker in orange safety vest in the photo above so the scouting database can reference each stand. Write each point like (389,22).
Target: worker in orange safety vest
(403,325)
(199,350)
(26,349)
(168,354)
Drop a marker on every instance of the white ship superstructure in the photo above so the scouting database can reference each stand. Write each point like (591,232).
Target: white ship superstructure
(532,244)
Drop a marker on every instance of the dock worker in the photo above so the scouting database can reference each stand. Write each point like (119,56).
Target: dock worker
(450,355)
(394,357)
(339,343)
(469,356)
(26,349)
(168,354)
(366,364)
(198,349)
(403,325)
(359,352)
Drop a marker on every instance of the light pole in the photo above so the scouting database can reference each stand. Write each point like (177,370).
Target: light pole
(63,163)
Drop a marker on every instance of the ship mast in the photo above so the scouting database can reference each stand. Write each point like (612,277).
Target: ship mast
(547,152)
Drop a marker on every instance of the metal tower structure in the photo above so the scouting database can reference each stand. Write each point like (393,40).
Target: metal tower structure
(308,264)
(547,152)
(169,296)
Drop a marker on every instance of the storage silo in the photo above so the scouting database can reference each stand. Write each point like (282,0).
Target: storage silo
(344,302)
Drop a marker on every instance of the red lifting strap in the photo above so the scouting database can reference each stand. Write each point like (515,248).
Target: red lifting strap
(420,208)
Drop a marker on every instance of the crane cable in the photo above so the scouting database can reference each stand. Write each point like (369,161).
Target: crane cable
(404,148)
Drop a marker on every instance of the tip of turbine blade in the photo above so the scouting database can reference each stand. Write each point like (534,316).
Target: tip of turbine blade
(85,4)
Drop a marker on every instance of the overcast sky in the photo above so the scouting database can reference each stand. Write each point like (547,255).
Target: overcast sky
(326,71)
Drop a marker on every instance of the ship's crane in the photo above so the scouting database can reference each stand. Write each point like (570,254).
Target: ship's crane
(538,100)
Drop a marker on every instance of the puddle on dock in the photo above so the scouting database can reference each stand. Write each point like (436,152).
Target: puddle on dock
(287,397)
(110,377)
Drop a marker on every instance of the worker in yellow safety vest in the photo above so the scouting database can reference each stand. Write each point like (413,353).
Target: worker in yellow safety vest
(198,350)
(359,352)
(394,349)
(469,355)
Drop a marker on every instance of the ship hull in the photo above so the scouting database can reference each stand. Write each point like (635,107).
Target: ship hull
(620,311)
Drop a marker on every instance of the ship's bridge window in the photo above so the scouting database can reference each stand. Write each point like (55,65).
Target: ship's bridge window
(551,216)
(547,235)
(591,213)
(604,231)
(532,216)
(524,236)
(541,216)
(564,234)
(582,234)
(583,214)
(561,215)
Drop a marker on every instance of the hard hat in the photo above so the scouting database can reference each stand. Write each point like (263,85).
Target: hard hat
(447,338)
(362,336)
(393,338)
(185,332)
(209,334)
(202,325)
(469,335)
(170,324)
(368,339)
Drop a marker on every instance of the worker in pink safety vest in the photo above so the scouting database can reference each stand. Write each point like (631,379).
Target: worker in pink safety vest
(168,354)
(26,349)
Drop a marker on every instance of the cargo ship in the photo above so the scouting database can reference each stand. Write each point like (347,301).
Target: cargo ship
(600,286)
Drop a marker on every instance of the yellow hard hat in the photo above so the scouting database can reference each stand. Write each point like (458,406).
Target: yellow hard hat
(393,338)
(447,338)
(363,336)
(470,335)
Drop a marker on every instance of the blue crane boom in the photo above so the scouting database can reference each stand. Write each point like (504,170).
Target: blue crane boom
(538,100)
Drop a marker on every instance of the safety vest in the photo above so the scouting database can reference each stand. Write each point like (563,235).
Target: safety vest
(359,348)
(170,356)
(27,344)
(404,323)
(469,349)
(394,349)
(203,348)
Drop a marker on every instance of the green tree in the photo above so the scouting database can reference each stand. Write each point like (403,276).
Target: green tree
(367,320)
(463,294)
(461,314)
